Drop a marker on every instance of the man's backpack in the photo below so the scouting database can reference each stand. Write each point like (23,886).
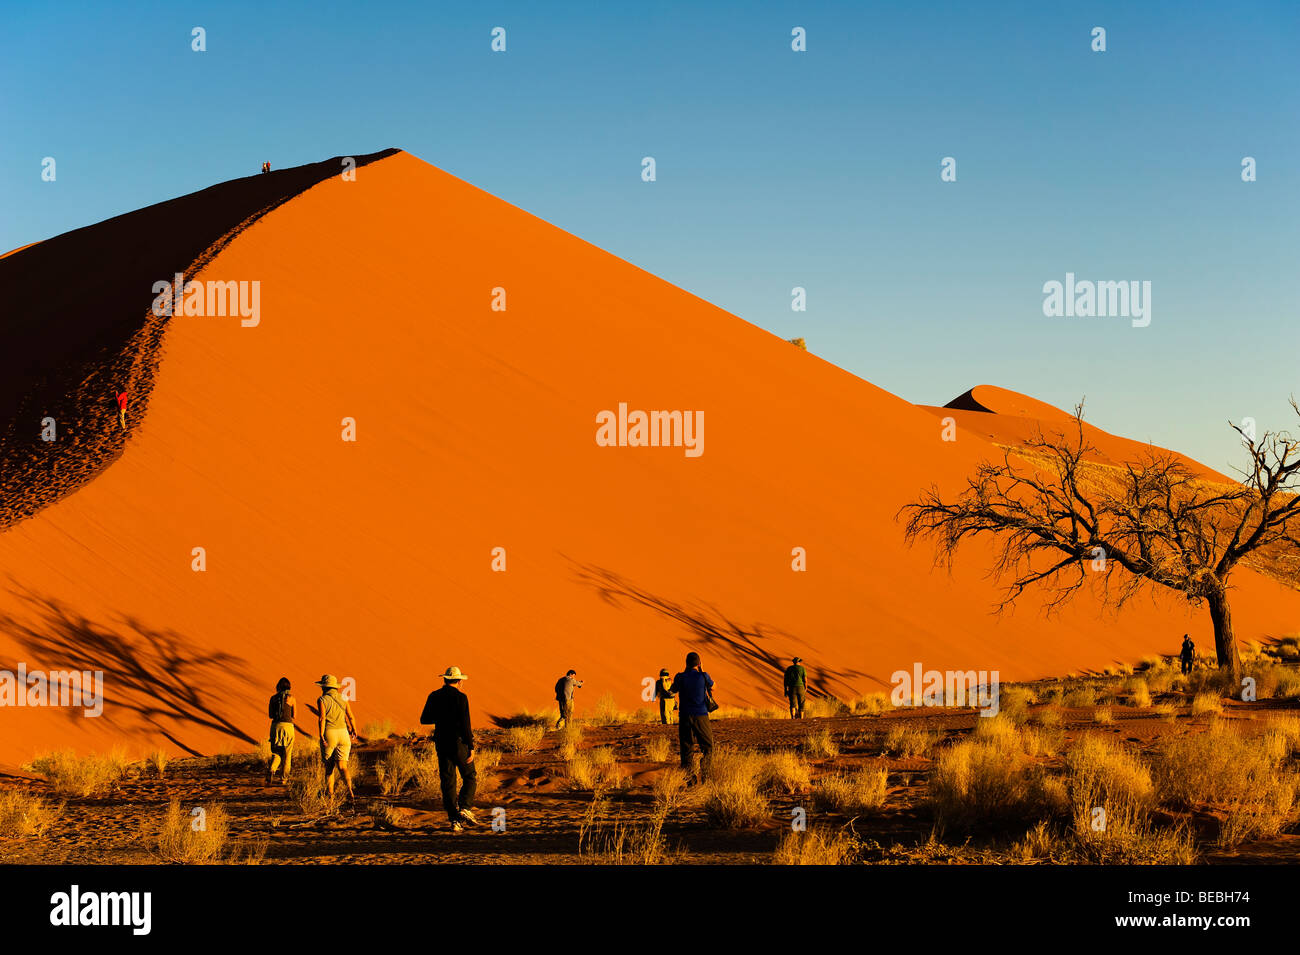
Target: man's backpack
(278,709)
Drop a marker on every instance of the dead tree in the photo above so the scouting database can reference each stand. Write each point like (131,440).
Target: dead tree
(1058,521)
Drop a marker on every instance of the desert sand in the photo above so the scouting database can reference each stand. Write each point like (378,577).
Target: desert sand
(476,430)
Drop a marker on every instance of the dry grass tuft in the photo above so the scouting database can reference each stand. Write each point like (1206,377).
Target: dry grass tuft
(595,769)
(815,847)
(854,791)
(23,814)
(523,739)
(821,745)
(82,776)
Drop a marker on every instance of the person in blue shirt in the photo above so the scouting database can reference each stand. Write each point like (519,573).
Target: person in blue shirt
(694,701)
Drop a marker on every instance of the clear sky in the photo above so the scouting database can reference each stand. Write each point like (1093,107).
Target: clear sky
(775,169)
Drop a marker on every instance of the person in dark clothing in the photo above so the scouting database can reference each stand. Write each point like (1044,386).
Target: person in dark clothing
(447,710)
(564,688)
(1187,656)
(796,687)
(281,711)
(693,688)
(664,694)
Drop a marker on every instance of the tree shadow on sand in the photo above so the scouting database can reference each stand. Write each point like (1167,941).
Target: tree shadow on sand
(762,652)
(166,680)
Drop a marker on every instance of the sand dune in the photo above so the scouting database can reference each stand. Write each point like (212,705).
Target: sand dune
(476,429)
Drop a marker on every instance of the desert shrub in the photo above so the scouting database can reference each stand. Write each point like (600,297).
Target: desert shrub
(523,739)
(80,775)
(307,791)
(568,740)
(980,783)
(815,847)
(853,791)
(24,814)
(908,740)
(605,712)
(821,745)
(825,706)
(620,840)
(659,749)
(396,770)
(183,837)
(1206,704)
(783,771)
(1139,694)
(670,788)
(1245,777)
(157,761)
(1287,683)
(1077,696)
(1014,703)
(1103,774)
(1049,717)
(870,704)
(377,729)
(595,769)
(1166,711)
(1103,714)
(732,797)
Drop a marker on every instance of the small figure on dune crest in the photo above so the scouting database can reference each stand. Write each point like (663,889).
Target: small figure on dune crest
(281,710)
(694,704)
(664,694)
(335,728)
(447,710)
(796,687)
(1187,656)
(564,688)
(122,400)
(266,167)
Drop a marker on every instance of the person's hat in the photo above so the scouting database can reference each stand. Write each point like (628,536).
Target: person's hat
(454,675)
(329,681)
(664,672)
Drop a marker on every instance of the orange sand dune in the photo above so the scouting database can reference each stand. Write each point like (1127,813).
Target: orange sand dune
(476,429)
(1010,419)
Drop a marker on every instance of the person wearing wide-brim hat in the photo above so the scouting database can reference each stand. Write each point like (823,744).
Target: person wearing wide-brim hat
(447,711)
(335,728)
(664,694)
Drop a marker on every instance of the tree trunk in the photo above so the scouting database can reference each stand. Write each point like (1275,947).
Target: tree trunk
(1225,643)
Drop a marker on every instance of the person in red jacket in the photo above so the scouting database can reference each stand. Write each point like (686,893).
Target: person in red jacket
(121,409)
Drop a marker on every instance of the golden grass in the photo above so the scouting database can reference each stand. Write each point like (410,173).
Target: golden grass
(605,712)
(595,769)
(816,707)
(25,814)
(990,782)
(815,847)
(1103,714)
(1103,775)
(784,771)
(821,745)
(732,796)
(377,729)
(910,739)
(82,776)
(523,739)
(870,704)
(197,838)
(1014,703)
(157,761)
(307,790)
(1245,777)
(852,791)
(659,749)
(568,741)
(1206,704)
(1079,696)
(1139,694)
(486,762)
(396,770)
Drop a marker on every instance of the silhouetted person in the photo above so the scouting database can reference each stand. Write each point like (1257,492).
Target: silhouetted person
(335,728)
(796,687)
(281,710)
(694,703)
(564,688)
(1187,655)
(447,711)
(664,694)
(266,167)
(122,400)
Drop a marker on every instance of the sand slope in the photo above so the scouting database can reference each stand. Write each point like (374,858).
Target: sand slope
(476,429)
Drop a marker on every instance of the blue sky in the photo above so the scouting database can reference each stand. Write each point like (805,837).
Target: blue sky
(775,169)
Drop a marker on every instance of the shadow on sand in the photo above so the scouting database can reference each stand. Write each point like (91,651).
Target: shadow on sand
(166,680)
(760,651)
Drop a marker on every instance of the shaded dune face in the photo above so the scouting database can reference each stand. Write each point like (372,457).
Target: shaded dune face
(476,429)
(78,326)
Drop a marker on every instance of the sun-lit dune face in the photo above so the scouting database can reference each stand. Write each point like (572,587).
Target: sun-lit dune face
(477,429)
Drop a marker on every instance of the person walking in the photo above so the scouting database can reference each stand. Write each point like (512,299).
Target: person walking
(281,710)
(335,727)
(1187,655)
(694,704)
(664,694)
(796,687)
(447,710)
(122,400)
(564,688)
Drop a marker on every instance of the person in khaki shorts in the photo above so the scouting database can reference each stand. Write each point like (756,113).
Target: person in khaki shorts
(335,727)
(281,710)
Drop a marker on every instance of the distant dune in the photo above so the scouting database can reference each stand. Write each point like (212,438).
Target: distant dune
(476,429)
